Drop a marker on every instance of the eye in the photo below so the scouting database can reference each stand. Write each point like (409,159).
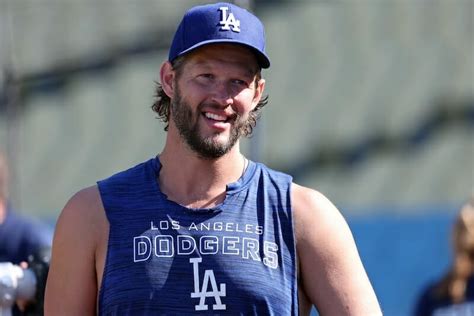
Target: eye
(206,76)
(240,82)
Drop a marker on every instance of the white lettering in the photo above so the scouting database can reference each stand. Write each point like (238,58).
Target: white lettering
(270,251)
(209,245)
(175,225)
(141,248)
(229,20)
(229,245)
(248,228)
(250,249)
(164,246)
(186,245)
(164,225)
(218,226)
(169,246)
(203,293)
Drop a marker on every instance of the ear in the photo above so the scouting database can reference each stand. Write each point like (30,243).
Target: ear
(167,75)
(258,92)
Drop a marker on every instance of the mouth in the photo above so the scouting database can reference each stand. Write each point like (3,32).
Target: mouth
(218,122)
(216,117)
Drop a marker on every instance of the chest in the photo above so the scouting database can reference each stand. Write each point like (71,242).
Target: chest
(201,262)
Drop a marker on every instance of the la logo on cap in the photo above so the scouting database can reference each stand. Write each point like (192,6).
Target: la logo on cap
(229,20)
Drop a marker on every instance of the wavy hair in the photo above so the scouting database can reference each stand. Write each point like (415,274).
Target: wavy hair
(161,105)
(453,285)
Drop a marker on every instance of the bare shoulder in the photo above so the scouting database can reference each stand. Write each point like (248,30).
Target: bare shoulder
(82,217)
(331,273)
(318,224)
(83,209)
(309,204)
(72,279)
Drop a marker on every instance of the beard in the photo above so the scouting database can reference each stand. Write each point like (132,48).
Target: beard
(187,123)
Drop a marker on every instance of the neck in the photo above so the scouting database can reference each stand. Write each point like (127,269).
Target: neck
(192,181)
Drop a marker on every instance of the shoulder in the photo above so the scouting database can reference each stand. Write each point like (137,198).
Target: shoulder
(28,227)
(130,175)
(72,280)
(80,232)
(133,182)
(84,202)
(331,272)
(37,235)
(83,213)
(264,170)
(22,236)
(314,213)
(270,179)
(320,228)
(304,196)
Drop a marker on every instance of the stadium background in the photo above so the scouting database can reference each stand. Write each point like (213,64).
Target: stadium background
(371,102)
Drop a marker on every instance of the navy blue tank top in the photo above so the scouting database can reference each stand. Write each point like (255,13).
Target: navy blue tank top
(237,258)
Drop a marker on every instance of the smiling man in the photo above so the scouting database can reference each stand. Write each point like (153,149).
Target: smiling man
(200,229)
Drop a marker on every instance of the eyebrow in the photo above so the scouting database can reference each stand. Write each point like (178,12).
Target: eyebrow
(248,71)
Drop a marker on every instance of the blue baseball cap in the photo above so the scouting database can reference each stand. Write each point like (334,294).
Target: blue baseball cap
(219,23)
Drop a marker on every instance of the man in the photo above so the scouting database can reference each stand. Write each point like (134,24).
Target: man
(20,238)
(200,228)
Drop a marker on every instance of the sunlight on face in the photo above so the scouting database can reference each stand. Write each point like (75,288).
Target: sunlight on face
(215,93)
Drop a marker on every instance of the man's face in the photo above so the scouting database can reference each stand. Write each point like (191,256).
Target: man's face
(213,96)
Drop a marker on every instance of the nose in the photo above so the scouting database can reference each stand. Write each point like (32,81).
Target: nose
(222,95)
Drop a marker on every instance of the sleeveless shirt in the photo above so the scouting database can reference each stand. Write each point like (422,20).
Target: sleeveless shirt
(237,258)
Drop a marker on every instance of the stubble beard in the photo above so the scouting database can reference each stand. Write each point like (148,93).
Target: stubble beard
(187,124)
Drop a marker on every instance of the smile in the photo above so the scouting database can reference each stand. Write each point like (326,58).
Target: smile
(215,117)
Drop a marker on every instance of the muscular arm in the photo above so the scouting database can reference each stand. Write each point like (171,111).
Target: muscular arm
(71,288)
(331,272)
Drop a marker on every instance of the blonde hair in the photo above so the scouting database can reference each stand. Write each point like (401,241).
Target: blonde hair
(453,285)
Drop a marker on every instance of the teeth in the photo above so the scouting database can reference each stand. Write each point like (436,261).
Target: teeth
(215,117)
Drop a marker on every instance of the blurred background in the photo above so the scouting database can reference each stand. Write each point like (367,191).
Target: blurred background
(371,103)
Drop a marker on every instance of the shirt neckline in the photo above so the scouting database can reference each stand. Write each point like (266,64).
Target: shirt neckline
(231,189)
